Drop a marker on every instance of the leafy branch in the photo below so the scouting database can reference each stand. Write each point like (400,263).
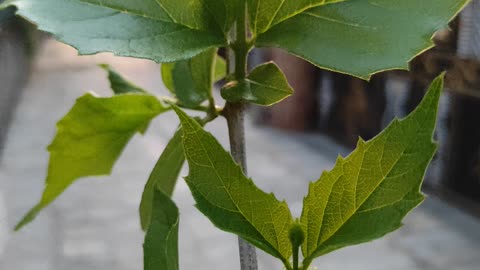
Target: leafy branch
(365,195)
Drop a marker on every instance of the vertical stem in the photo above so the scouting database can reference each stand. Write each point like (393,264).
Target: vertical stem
(295,258)
(296,236)
(234,113)
(240,46)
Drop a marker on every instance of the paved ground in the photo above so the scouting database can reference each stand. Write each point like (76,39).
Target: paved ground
(94,225)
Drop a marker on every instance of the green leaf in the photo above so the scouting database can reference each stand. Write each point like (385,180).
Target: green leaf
(367,194)
(193,14)
(261,13)
(126,28)
(118,84)
(167,71)
(291,8)
(224,12)
(90,138)
(163,177)
(178,78)
(207,15)
(160,249)
(265,13)
(228,198)
(191,80)
(202,67)
(144,8)
(361,37)
(265,85)
(220,69)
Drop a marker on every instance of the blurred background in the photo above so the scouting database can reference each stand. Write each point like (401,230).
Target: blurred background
(95,225)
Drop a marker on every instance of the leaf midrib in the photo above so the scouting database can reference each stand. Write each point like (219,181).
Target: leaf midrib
(167,238)
(270,22)
(332,20)
(212,13)
(269,87)
(298,12)
(129,12)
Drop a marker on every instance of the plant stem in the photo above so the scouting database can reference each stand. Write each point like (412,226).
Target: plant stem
(295,258)
(198,108)
(234,113)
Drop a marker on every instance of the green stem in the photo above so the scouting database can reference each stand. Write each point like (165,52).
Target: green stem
(212,111)
(295,258)
(211,104)
(240,45)
(197,108)
(200,108)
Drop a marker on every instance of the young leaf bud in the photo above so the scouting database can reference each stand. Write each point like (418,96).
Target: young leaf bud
(296,235)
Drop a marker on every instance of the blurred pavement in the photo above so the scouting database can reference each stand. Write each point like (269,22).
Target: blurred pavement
(94,225)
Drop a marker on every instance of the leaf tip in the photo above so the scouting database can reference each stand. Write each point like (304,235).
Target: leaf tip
(104,66)
(29,217)
(428,108)
(340,159)
(361,142)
